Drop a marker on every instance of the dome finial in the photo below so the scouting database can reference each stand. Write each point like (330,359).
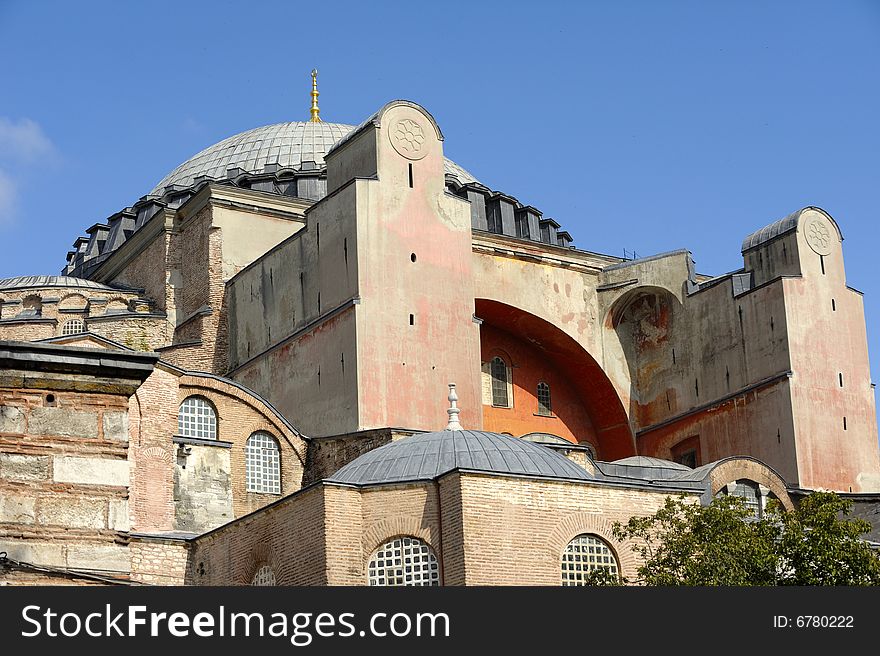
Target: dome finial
(453,410)
(316,118)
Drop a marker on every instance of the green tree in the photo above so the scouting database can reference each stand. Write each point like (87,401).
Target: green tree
(685,543)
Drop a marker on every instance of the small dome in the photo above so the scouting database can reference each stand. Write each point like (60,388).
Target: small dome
(288,145)
(430,455)
(647,461)
(34,282)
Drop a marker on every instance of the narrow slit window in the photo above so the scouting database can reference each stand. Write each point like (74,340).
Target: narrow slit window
(499,383)
(833,305)
(410,176)
(544,407)
(412,320)
(840,379)
(822,263)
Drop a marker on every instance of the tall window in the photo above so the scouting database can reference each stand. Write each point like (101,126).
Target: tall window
(544,399)
(264,576)
(73,327)
(262,464)
(586,553)
(197,418)
(404,561)
(499,383)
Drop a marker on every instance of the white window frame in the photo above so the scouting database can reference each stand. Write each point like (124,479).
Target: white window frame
(197,418)
(262,463)
(79,323)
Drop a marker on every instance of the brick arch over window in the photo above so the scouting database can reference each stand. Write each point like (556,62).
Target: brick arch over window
(578,524)
(563,355)
(731,470)
(262,555)
(388,529)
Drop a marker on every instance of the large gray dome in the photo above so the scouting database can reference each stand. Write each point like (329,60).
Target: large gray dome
(430,455)
(285,144)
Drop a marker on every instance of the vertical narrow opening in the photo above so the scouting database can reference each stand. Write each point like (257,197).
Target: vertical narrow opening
(840,379)
(319,302)
(410,176)
(412,320)
(697,386)
(822,263)
(833,306)
(673,356)
(844,423)
(345,249)
(412,257)
(318,236)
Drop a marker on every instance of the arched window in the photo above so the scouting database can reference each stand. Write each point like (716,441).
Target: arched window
(262,464)
(264,576)
(197,418)
(73,327)
(404,561)
(544,400)
(750,493)
(583,555)
(499,383)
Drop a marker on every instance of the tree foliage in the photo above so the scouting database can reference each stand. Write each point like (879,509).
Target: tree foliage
(685,543)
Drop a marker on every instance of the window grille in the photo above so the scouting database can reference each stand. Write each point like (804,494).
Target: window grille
(404,561)
(262,464)
(73,327)
(544,407)
(499,383)
(264,576)
(585,554)
(197,418)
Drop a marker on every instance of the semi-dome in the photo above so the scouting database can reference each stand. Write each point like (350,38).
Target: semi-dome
(289,145)
(428,456)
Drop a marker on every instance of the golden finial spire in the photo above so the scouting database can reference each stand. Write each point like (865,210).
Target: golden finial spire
(316,118)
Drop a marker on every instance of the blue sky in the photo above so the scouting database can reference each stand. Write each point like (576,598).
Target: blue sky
(648,125)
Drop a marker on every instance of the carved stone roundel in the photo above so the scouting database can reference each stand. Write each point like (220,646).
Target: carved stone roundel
(819,236)
(409,138)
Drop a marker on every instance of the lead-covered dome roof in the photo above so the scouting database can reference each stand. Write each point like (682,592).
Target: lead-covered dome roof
(428,456)
(289,145)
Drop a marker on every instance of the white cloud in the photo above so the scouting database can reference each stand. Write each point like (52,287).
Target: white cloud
(23,141)
(8,199)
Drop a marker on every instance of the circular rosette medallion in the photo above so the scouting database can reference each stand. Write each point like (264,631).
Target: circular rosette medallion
(818,236)
(408,136)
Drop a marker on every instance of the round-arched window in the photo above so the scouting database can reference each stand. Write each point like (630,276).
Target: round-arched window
(585,554)
(264,576)
(197,418)
(262,464)
(404,561)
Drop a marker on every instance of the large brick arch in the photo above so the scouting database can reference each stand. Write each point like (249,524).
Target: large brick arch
(600,526)
(730,470)
(595,390)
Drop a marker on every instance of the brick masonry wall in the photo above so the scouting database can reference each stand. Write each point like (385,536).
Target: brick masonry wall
(515,530)
(64,479)
(289,537)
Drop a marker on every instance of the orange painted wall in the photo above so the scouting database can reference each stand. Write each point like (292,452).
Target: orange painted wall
(529,366)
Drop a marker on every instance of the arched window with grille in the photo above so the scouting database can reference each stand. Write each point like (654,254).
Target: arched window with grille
(73,327)
(500,379)
(197,418)
(264,576)
(544,407)
(584,555)
(262,464)
(404,561)
(750,493)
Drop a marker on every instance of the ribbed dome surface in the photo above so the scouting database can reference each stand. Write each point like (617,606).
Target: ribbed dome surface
(430,455)
(285,144)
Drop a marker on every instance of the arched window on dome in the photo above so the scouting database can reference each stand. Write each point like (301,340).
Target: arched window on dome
(262,464)
(264,576)
(544,407)
(500,379)
(404,561)
(583,556)
(197,418)
(73,327)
